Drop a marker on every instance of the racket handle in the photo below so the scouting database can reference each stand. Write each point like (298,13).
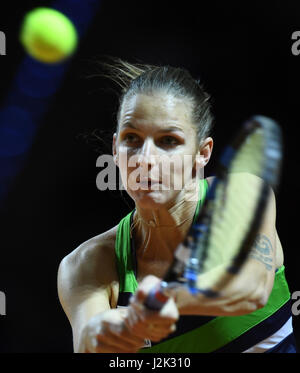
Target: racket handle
(156,299)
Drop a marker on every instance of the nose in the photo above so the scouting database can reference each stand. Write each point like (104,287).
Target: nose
(148,154)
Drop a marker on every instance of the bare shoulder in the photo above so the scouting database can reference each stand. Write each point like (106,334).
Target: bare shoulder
(92,263)
(87,280)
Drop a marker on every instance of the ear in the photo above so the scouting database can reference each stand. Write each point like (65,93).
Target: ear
(203,154)
(205,150)
(114,150)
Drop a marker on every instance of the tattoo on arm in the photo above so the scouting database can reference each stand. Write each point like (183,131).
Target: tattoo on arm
(262,251)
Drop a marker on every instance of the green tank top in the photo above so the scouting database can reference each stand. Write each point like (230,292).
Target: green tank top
(214,332)
(125,261)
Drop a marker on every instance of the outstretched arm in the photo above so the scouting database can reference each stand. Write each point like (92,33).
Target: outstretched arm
(86,282)
(249,290)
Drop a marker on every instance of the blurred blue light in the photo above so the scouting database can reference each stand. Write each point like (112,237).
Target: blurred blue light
(17,131)
(36,79)
(34,84)
(80,12)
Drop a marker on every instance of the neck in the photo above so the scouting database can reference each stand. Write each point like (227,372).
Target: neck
(158,232)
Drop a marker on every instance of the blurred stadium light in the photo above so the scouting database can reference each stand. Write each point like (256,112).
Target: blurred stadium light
(34,84)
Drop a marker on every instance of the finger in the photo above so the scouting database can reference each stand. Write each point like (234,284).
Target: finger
(140,332)
(159,333)
(120,335)
(161,321)
(115,344)
(147,284)
(134,316)
(138,312)
(170,309)
(151,331)
(131,340)
(140,296)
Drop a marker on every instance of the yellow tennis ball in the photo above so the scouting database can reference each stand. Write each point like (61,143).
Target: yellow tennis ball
(48,35)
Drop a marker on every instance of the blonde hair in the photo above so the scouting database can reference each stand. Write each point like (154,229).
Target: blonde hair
(138,78)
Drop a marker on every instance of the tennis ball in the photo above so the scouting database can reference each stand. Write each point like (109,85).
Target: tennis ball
(48,35)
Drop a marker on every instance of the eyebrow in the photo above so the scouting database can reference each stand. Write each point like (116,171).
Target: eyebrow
(128,124)
(164,130)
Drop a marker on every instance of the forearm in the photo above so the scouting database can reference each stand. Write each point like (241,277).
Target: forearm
(246,292)
(84,316)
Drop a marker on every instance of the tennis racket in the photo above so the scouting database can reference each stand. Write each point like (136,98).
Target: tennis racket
(221,238)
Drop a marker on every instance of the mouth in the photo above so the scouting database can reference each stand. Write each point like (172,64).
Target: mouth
(148,183)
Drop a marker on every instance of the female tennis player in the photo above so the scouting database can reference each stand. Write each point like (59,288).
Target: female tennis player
(164,114)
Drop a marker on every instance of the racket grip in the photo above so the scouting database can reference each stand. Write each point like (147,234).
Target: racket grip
(156,299)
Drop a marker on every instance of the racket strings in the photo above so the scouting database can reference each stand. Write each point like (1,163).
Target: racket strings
(234,207)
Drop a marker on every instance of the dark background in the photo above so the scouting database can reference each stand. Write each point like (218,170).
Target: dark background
(242,53)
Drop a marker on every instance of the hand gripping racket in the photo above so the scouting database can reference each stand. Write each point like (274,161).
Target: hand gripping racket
(219,241)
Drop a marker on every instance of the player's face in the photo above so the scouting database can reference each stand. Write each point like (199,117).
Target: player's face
(155,148)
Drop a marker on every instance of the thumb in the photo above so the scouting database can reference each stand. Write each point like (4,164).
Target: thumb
(149,283)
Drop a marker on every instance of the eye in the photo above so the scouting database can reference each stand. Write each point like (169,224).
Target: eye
(131,138)
(169,141)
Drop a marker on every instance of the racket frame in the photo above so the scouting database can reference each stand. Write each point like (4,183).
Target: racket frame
(199,231)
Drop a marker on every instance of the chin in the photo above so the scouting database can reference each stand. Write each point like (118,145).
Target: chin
(152,199)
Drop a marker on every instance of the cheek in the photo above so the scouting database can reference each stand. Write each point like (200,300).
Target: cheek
(129,169)
(178,168)
(122,164)
(124,157)
(128,156)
